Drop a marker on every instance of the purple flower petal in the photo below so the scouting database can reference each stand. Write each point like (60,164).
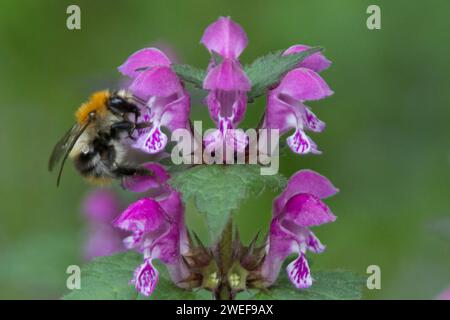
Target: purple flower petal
(171,112)
(227,76)
(157,81)
(167,246)
(311,122)
(134,240)
(281,244)
(144,215)
(152,143)
(303,84)
(174,208)
(294,211)
(299,273)
(225,37)
(143,59)
(145,278)
(281,115)
(226,108)
(285,113)
(159,232)
(142,183)
(102,241)
(300,143)
(308,182)
(175,114)
(314,244)
(307,210)
(316,61)
(101,205)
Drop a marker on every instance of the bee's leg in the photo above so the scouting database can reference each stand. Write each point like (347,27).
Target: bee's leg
(122,126)
(130,171)
(120,106)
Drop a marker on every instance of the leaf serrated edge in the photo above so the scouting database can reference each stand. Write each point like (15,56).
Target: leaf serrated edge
(190,74)
(292,59)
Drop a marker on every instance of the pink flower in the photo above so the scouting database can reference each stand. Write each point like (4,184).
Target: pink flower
(167,102)
(101,207)
(226,80)
(295,210)
(157,229)
(316,62)
(285,103)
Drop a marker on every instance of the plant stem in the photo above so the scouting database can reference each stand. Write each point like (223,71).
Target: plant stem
(225,260)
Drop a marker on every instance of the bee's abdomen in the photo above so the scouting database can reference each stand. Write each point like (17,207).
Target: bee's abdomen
(97,163)
(89,165)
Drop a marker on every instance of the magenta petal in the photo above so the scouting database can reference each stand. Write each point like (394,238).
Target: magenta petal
(300,143)
(144,58)
(314,244)
(153,142)
(101,205)
(299,273)
(309,181)
(281,244)
(103,241)
(280,115)
(304,181)
(134,240)
(145,278)
(311,121)
(316,61)
(158,81)
(306,210)
(167,246)
(303,85)
(284,113)
(226,107)
(155,180)
(143,215)
(171,112)
(174,208)
(227,76)
(225,37)
(175,114)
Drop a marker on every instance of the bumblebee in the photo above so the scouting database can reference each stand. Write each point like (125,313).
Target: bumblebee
(95,141)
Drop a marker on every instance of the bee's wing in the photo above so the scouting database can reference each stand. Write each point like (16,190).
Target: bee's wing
(64,146)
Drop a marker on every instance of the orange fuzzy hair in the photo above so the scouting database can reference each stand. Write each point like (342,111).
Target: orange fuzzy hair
(97,103)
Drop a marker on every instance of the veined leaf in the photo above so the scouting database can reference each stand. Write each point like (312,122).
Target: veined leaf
(218,190)
(108,278)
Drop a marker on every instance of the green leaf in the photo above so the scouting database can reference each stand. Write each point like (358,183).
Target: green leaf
(107,278)
(328,285)
(190,74)
(267,70)
(218,190)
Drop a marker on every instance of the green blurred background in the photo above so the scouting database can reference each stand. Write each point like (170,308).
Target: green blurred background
(386,145)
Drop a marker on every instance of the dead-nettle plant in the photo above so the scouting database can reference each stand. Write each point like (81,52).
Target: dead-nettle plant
(167,261)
